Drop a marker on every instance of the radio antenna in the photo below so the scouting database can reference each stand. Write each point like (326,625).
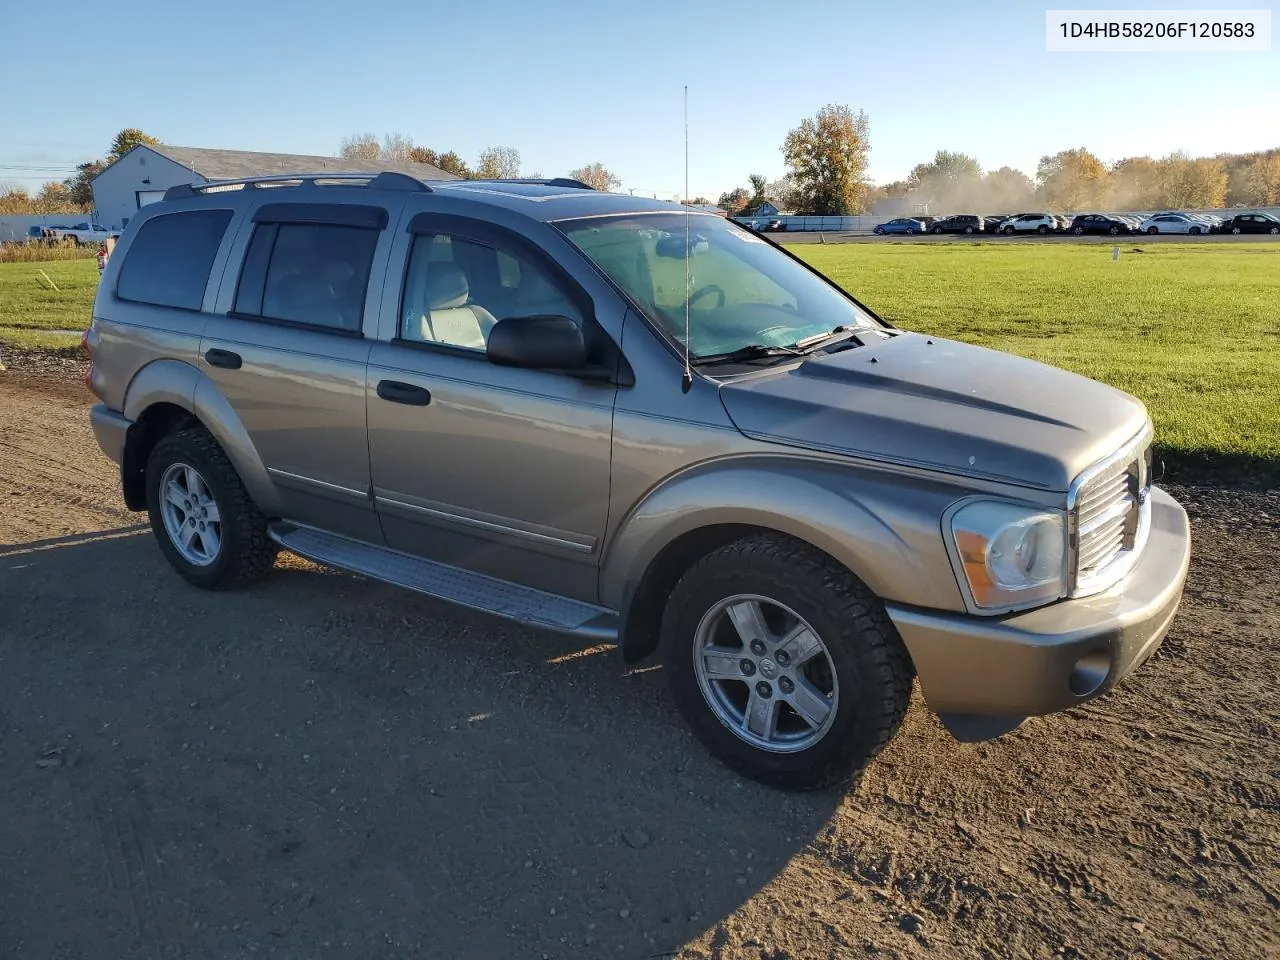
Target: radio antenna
(687,381)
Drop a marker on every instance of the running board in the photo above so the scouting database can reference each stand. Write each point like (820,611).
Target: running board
(535,608)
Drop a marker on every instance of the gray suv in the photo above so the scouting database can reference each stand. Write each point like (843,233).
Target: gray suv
(641,425)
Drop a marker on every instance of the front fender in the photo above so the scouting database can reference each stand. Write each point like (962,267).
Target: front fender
(181,384)
(884,527)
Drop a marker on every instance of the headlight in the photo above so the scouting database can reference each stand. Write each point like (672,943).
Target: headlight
(1010,556)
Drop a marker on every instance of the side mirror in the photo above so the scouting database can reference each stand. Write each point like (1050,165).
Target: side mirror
(537,343)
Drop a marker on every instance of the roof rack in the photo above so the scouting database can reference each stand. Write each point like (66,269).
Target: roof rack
(386,180)
(536,181)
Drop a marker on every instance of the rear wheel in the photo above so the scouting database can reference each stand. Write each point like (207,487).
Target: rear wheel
(1042,229)
(1113,230)
(207,526)
(1194,231)
(783,663)
(1274,230)
(911,231)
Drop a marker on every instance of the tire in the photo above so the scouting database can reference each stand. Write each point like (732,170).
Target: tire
(1042,229)
(968,230)
(1152,231)
(1194,231)
(911,231)
(1078,231)
(243,552)
(878,231)
(1273,231)
(1008,231)
(1236,230)
(862,664)
(937,230)
(1113,230)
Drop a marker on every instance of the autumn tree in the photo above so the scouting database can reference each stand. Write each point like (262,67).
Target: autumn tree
(1262,180)
(1072,180)
(1134,184)
(126,140)
(950,180)
(827,155)
(498,163)
(361,146)
(449,161)
(758,186)
(1186,183)
(595,176)
(734,201)
(1006,190)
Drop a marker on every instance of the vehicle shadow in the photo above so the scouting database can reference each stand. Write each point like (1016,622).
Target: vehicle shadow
(322,765)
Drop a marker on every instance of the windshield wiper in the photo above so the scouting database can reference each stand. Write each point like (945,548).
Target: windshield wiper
(834,335)
(752,351)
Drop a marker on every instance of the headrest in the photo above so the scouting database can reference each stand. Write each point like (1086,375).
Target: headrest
(446,286)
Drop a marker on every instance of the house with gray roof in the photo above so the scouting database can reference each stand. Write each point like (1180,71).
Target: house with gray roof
(143,174)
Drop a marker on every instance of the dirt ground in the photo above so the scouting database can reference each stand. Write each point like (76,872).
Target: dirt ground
(322,766)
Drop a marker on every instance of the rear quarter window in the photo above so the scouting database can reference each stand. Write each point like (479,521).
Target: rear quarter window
(169,261)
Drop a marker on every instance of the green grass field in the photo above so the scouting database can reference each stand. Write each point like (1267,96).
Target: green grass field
(1191,329)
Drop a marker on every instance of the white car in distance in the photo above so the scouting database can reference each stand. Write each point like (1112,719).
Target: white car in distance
(1030,223)
(1174,223)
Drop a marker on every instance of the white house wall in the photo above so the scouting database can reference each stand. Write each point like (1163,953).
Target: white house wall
(116,189)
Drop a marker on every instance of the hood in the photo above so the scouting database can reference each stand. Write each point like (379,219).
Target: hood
(935,403)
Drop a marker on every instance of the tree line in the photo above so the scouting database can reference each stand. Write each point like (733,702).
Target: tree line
(493,163)
(826,157)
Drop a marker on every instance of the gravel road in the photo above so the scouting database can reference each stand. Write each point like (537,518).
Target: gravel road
(322,766)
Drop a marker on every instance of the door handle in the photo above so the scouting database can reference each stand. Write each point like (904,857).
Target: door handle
(223,358)
(398,392)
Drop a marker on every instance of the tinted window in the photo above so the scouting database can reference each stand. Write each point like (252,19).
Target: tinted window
(456,289)
(314,274)
(169,261)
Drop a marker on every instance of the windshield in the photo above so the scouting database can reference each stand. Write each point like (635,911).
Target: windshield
(741,290)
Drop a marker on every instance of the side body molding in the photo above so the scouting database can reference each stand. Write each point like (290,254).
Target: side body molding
(184,386)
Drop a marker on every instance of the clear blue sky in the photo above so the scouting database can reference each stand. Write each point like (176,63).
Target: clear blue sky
(568,82)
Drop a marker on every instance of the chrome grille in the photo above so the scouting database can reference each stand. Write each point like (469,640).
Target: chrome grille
(1109,515)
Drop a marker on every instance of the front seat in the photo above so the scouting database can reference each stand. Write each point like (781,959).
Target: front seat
(449,318)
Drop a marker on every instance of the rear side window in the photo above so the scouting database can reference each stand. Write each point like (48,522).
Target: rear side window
(312,274)
(169,261)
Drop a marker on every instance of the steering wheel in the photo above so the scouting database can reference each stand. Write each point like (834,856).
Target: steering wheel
(707,291)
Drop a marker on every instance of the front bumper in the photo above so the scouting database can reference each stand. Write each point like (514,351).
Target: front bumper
(110,428)
(1058,656)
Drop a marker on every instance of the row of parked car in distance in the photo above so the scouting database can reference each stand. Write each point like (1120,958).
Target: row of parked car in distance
(1113,223)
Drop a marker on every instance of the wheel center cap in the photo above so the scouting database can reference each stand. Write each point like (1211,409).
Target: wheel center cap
(768,668)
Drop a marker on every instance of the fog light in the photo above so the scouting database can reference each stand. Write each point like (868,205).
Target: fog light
(1090,672)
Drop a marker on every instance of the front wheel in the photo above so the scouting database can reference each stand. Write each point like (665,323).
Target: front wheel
(878,231)
(1151,231)
(968,229)
(937,229)
(207,526)
(1236,230)
(784,664)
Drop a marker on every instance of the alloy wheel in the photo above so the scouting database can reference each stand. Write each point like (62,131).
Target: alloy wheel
(766,673)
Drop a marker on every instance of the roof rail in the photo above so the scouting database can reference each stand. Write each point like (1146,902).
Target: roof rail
(386,180)
(537,181)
